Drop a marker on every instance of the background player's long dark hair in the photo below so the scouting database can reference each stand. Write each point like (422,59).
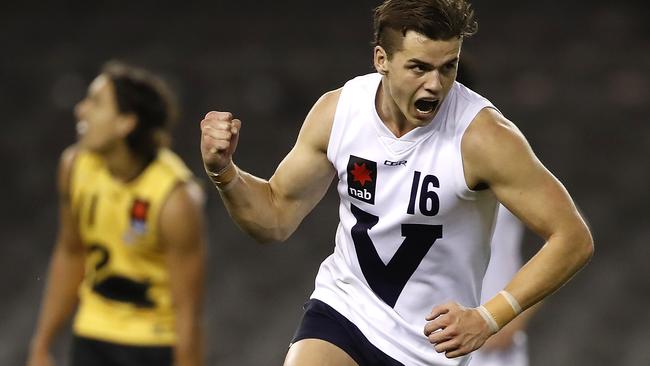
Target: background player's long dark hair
(150,99)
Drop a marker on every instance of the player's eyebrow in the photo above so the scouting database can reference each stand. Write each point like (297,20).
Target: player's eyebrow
(420,62)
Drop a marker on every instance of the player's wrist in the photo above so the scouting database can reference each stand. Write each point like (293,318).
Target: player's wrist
(224,178)
(40,344)
(489,319)
(499,310)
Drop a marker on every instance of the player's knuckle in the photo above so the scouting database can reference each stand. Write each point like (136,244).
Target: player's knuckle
(211,114)
(225,115)
(224,125)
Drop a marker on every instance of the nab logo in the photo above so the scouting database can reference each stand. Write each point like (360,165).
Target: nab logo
(362,178)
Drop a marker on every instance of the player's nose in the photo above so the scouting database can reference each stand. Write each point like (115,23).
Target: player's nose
(433,82)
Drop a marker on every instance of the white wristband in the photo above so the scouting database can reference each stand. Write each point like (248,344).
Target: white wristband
(489,319)
(228,185)
(224,179)
(512,301)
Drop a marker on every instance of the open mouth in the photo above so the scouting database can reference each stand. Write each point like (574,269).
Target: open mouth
(426,105)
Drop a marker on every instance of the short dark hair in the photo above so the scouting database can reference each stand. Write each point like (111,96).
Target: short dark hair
(436,19)
(148,97)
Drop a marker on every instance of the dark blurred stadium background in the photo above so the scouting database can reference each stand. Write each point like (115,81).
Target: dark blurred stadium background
(574,75)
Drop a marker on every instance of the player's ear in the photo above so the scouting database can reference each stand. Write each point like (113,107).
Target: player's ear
(381,60)
(126,123)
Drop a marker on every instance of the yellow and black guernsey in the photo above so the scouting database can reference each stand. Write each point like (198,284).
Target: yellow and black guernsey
(125,296)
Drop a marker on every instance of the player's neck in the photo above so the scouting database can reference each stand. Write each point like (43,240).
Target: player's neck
(124,165)
(390,114)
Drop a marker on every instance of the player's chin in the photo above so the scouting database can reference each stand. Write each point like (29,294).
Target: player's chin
(81,143)
(420,120)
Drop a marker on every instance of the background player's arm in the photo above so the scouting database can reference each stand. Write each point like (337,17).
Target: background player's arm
(495,153)
(182,236)
(65,272)
(271,210)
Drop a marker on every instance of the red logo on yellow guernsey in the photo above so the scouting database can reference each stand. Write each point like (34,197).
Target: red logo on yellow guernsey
(139,210)
(138,219)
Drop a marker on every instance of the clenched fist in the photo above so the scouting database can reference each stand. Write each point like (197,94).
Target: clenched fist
(219,136)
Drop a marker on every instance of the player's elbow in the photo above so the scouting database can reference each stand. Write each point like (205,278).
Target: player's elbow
(269,235)
(589,248)
(265,238)
(277,228)
(268,225)
(583,246)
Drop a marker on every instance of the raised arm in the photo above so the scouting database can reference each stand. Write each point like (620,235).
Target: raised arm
(271,210)
(65,273)
(182,235)
(497,156)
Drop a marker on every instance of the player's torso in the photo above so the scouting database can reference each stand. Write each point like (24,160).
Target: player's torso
(125,295)
(411,234)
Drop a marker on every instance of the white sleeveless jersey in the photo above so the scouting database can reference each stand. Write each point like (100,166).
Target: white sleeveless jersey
(411,235)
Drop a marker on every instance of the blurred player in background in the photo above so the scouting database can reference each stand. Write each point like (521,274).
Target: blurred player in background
(509,346)
(129,256)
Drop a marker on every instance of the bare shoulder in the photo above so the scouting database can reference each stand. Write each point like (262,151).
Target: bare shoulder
(66,161)
(490,129)
(328,101)
(185,197)
(181,217)
(492,144)
(318,123)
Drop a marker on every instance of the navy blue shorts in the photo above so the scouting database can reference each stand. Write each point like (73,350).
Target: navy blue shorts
(321,321)
(90,352)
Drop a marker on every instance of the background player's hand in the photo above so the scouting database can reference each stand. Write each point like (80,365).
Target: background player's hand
(219,137)
(455,329)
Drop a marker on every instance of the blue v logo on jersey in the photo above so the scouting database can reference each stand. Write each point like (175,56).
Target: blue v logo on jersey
(362,179)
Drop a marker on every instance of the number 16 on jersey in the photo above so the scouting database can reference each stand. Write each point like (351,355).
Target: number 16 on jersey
(388,280)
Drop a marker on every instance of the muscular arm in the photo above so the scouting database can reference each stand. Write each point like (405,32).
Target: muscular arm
(271,210)
(65,273)
(182,235)
(505,261)
(496,154)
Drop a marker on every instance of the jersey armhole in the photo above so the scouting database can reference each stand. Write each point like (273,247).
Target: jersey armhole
(338,125)
(464,191)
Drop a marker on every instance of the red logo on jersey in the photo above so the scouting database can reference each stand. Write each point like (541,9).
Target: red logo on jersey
(139,210)
(362,179)
(361,174)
